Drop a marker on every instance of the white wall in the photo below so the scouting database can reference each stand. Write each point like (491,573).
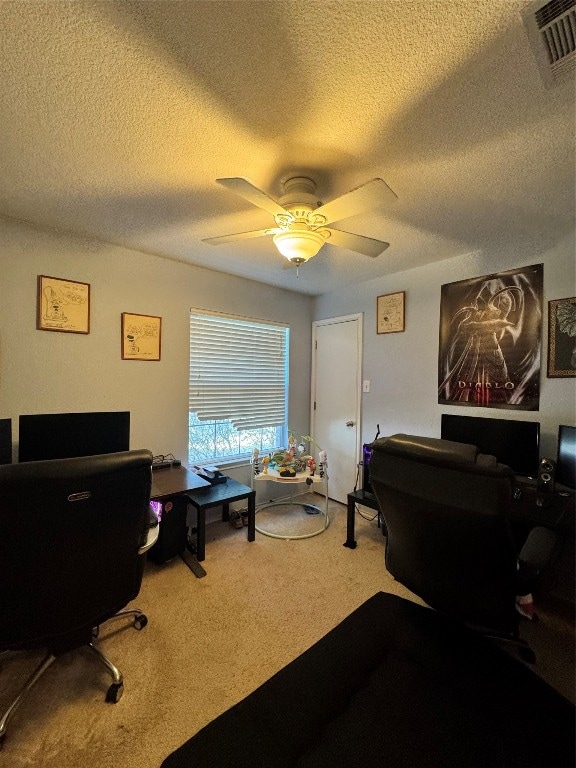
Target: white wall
(402,367)
(50,372)
(43,371)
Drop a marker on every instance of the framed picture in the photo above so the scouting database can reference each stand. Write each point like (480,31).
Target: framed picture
(62,305)
(390,312)
(490,341)
(141,335)
(562,338)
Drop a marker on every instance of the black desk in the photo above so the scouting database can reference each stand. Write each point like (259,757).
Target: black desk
(551,510)
(557,510)
(173,481)
(168,483)
(221,495)
(357,497)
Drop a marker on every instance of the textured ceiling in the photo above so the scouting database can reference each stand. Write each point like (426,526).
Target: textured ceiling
(117,117)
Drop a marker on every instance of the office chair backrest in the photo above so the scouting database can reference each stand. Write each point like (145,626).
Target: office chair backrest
(70,530)
(444,506)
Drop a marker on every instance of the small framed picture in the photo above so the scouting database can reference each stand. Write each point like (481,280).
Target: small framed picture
(62,305)
(141,336)
(390,312)
(562,338)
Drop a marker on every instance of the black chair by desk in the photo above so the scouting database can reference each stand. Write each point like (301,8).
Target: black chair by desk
(449,541)
(72,537)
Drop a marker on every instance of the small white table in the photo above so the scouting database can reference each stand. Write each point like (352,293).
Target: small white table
(310,483)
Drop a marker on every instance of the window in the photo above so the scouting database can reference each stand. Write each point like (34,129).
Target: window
(238,389)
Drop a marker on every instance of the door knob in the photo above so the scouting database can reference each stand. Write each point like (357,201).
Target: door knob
(349,423)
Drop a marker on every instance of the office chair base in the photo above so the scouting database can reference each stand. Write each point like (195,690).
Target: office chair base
(139,622)
(114,692)
(45,664)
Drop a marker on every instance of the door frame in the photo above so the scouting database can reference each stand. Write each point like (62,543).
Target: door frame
(359,318)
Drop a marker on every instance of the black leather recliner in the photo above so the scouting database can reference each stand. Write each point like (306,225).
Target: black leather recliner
(449,541)
(72,536)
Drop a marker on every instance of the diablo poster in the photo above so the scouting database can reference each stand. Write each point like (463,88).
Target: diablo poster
(490,340)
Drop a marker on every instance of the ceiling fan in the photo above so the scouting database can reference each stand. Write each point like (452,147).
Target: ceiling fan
(301,226)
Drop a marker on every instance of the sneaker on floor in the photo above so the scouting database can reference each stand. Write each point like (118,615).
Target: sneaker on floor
(235,519)
(244,515)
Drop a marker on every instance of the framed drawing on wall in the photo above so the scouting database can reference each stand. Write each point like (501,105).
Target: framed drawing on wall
(62,305)
(141,336)
(390,312)
(562,338)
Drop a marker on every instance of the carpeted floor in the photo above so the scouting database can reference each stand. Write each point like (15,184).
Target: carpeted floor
(211,641)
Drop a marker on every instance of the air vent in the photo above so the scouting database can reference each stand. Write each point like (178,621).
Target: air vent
(551,28)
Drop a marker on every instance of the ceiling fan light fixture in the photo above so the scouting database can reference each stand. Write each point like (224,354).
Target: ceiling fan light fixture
(300,246)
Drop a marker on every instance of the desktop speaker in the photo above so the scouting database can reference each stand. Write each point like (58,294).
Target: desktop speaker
(546,474)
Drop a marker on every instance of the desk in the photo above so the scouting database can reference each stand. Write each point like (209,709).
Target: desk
(358,497)
(558,510)
(180,481)
(173,484)
(173,481)
(221,495)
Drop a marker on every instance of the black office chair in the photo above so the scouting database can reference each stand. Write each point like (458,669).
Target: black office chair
(444,505)
(72,537)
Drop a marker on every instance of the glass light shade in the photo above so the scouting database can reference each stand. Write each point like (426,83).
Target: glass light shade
(299,246)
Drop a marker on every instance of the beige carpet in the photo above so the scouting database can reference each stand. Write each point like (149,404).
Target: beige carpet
(209,642)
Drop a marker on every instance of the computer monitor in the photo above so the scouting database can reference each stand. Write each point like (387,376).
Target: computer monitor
(566,458)
(514,443)
(66,435)
(5,441)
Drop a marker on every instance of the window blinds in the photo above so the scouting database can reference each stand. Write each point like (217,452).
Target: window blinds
(238,370)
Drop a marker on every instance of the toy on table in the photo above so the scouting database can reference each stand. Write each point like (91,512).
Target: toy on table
(256,461)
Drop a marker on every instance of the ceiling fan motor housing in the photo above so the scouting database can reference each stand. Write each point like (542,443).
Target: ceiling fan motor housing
(302,237)
(299,191)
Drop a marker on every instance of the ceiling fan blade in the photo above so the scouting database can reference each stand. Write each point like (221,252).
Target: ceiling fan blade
(248,191)
(363,198)
(240,236)
(365,245)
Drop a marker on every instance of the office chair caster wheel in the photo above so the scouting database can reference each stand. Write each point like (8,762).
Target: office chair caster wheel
(114,693)
(140,621)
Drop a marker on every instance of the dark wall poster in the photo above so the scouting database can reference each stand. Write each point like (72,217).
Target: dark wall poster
(490,340)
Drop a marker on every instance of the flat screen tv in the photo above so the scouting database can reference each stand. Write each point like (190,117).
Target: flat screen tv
(5,441)
(514,443)
(66,435)
(566,459)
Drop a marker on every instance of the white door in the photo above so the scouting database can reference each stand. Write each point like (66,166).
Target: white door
(336,397)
